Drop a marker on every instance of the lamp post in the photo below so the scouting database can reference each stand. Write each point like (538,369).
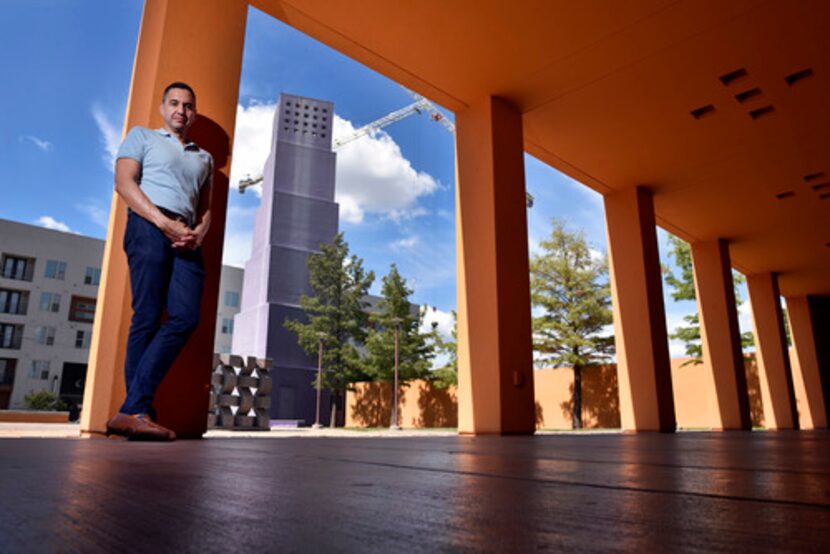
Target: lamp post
(394,425)
(320,337)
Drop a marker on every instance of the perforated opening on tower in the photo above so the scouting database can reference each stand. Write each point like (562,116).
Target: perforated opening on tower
(794,78)
(733,76)
(304,121)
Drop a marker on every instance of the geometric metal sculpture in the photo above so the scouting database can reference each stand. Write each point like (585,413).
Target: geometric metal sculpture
(241,394)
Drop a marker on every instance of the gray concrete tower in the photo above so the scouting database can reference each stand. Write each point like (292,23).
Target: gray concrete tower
(297,214)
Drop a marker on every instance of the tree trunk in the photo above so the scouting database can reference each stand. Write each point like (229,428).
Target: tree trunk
(577,411)
(335,400)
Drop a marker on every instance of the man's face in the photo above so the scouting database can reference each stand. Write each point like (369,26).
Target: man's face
(178,109)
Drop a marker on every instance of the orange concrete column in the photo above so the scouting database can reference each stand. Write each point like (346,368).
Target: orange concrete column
(199,43)
(771,352)
(644,371)
(807,386)
(495,360)
(720,334)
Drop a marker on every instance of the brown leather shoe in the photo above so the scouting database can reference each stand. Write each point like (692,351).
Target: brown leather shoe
(138,427)
(171,435)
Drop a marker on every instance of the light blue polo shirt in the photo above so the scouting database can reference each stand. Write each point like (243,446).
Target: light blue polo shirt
(172,173)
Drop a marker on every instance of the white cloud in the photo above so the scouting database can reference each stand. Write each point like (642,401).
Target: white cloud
(50,222)
(110,136)
(93,209)
(44,145)
(373,176)
(677,349)
(237,249)
(596,255)
(251,141)
(442,318)
(372,172)
(745,316)
(238,234)
(405,243)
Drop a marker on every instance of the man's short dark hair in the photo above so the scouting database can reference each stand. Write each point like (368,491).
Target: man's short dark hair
(178,84)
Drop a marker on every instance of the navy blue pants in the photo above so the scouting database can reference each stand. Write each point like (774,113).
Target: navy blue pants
(162,279)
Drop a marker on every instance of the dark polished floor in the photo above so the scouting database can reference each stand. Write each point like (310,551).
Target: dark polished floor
(747,492)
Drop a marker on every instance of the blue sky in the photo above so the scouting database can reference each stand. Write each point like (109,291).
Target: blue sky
(64,101)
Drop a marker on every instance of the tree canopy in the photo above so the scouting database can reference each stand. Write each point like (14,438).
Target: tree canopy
(394,312)
(571,300)
(682,287)
(336,312)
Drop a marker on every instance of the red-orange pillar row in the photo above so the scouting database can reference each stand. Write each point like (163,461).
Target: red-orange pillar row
(643,367)
(495,360)
(771,352)
(199,43)
(807,383)
(720,334)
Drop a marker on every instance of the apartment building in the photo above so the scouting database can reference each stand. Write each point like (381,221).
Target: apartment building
(48,288)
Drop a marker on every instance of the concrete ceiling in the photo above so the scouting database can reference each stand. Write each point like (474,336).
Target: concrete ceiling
(610,93)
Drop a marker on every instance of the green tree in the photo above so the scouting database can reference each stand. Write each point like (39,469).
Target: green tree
(415,351)
(570,292)
(682,287)
(337,312)
(446,375)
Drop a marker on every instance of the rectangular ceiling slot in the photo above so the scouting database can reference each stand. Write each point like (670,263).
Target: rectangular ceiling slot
(813,176)
(733,76)
(747,95)
(798,76)
(700,112)
(760,112)
(824,196)
(783,195)
(821,186)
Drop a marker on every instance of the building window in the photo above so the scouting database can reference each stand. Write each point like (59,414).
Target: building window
(227,326)
(55,269)
(7,366)
(16,267)
(82,338)
(13,301)
(10,335)
(92,276)
(50,302)
(45,335)
(39,369)
(231,299)
(82,309)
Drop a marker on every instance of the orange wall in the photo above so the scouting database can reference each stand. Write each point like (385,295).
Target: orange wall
(421,406)
(424,406)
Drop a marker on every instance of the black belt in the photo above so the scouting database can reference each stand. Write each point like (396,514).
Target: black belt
(173,215)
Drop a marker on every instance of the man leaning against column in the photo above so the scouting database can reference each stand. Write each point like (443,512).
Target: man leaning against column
(165,181)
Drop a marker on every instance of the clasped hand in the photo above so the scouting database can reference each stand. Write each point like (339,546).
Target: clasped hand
(181,235)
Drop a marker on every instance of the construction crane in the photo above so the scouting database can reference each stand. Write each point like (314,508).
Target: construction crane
(421,105)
